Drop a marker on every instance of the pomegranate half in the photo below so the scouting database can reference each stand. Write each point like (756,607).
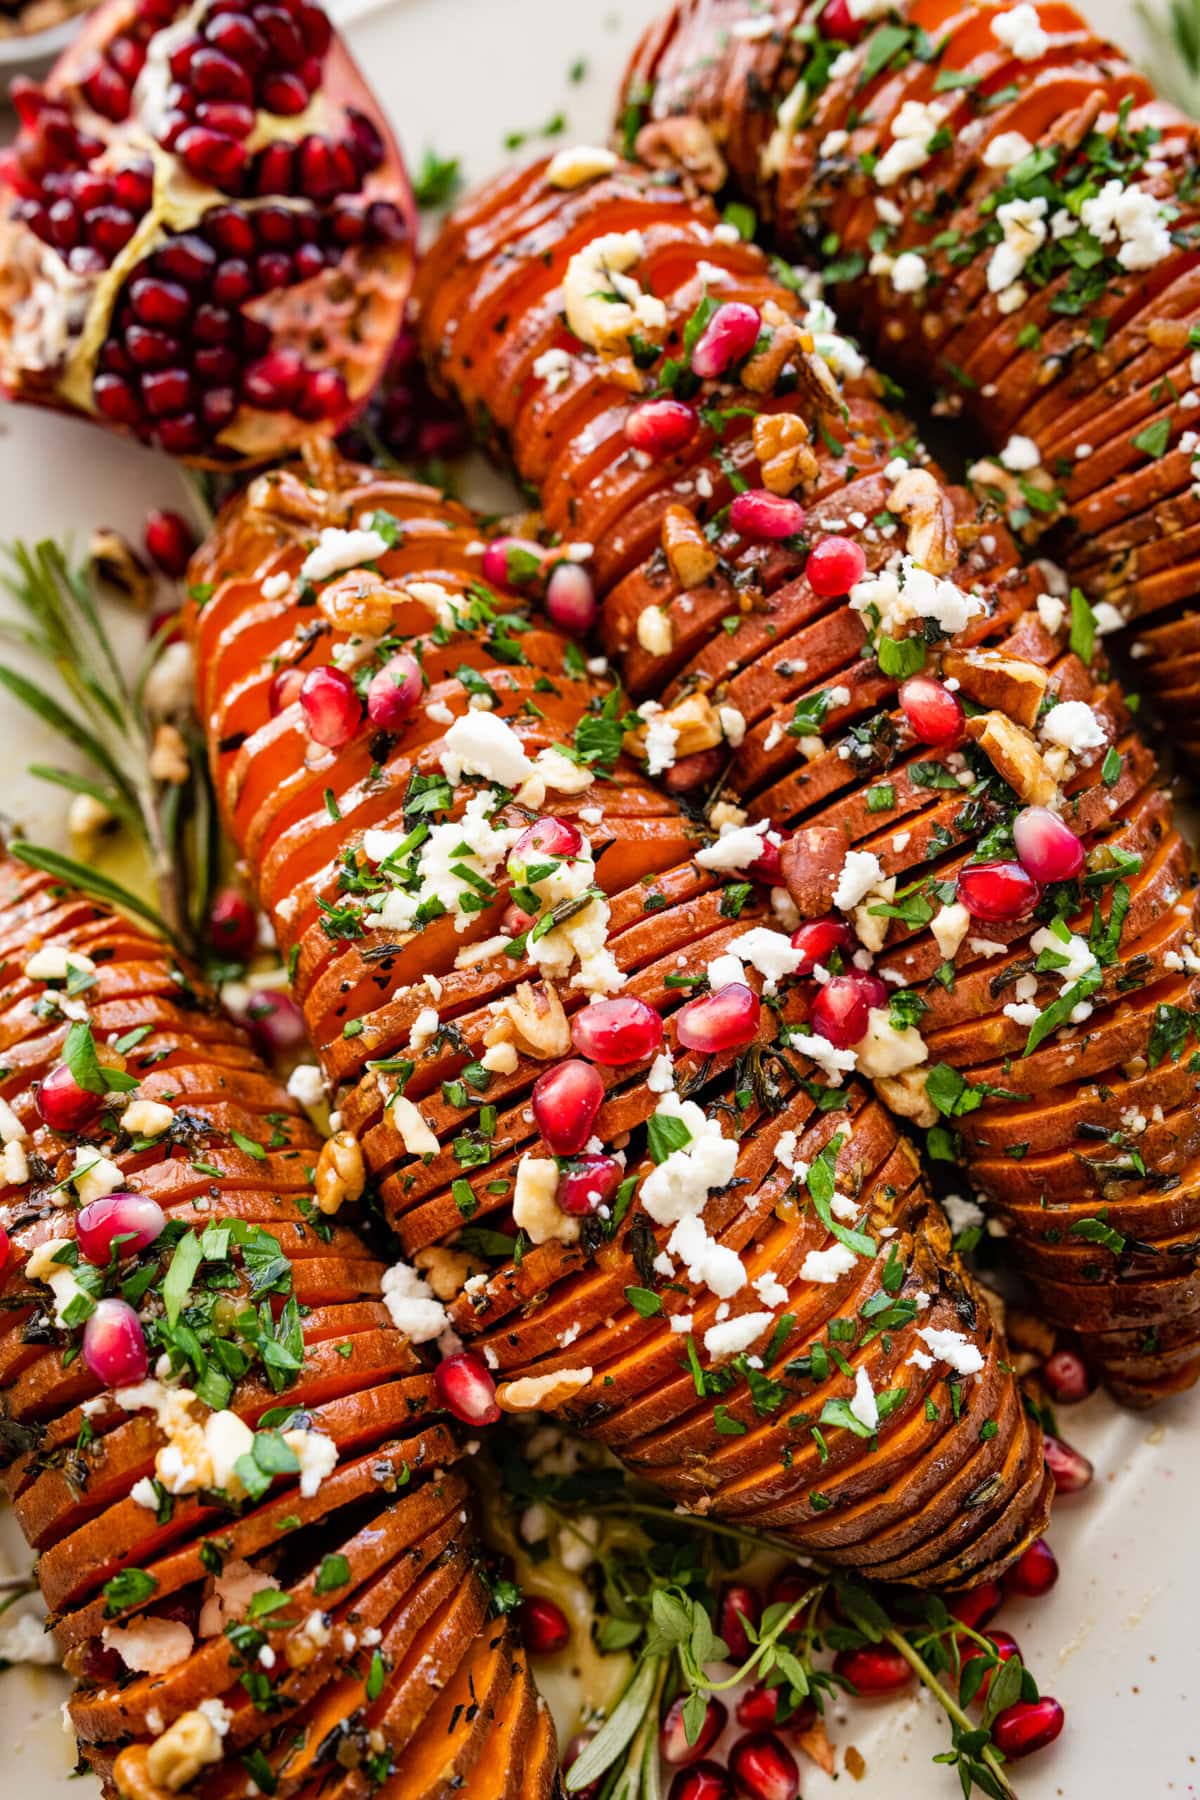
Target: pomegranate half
(208,231)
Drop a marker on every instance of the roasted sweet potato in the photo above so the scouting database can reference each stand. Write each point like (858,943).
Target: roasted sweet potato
(235,1562)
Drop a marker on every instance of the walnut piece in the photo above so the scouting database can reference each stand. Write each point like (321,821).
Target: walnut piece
(785,460)
(168,760)
(684,143)
(919,500)
(341,1173)
(1012,752)
(1008,684)
(539,1024)
(358,604)
(690,556)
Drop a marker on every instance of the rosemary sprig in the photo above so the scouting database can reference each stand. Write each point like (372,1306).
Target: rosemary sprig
(102,714)
(1172,29)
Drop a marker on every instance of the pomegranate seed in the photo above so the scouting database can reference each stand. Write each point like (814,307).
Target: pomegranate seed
(978,1606)
(187,258)
(394,691)
(1035,1571)
(764,1768)
(107,91)
(180,60)
(5,1247)
(616,1033)
(161,303)
(276,1022)
(109,228)
(215,76)
(114,1346)
(317,34)
(934,713)
(721,1021)
(466,1389)
(331,707)
(571,598)
(63,1104)
(218,406)
(281,32)
(285,688)
(64,224)
(181,435)
(230,230)
(116,399)
(760,514)
(130,1221)
(213,324)
(232,925)
(759,1705)
(660,427)
(515,920)
(274,269)
(544,1626)
(565,1101)
(587,1184)
(822,939)
(27,99)
(788,1586)
(1067,1377)
(275,379)
(512,562)
(273,170)
(730,334)
(169,542)
(574,1751)
(672,1736)
(238,37)
(166,391)
(325,393)
(308,261)
(548,837)
(232,282)
(1005,1646)
(284,94)
(133,186)
(211,156)
(834,565)
(875,1669)
(837,21)
(737,1604)
(1048,849)
(841,1010)
(998,891)
(1071,1470)
(1028,1725)
(703,1781)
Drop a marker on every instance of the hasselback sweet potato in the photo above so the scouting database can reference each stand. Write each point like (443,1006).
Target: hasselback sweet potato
(1010,209)
(1053,1042)
(711,1315)
(253,1542)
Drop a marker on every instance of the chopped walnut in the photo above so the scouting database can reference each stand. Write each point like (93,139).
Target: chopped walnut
(785,460)
(282,494)
(1012,752)
(992,678)
(168,760)
(114,561)
(1169,334)
(184,1748)
(786,343)
(357,603)
(905,1094)
(920,501)
(684,143)
(695,721)
(690,556)
(537,1020)
(341,1173)
(447,1270)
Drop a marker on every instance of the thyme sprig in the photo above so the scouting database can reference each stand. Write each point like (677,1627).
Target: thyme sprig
(101,711)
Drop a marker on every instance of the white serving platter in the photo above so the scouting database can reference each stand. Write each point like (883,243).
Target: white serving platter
(1117,1640)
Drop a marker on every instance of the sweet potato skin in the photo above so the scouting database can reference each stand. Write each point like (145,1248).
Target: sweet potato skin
(393,1508)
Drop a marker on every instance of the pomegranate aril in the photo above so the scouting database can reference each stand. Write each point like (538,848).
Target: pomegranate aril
(660,427)
(323,395)
(232,924)
(275,379)
(215,76)
(841,1010)
(180,60)
(232,282)
(820,940)
(512,561)
(367,143)
(114,1345)
(116,399)
(166,391)
(284,94)
(1071,1470)
(238,36)
(63,1104)
(276,1022)
(274,269)
(1000,892)
(703,1781)
(758,1708)
(394,690)
(386,222)
(27,99)
(127,56)
(285,689)
(1048,849)
(64,224)
(331,707)
(230,117)
(1028,1725)
(218,405)
(838,21)
(673,1744)
(565,1102)
(151,349)
(721,1021)
(834,565)
(107,91)
(875,1669)
(162,303)
(757,513)
(5,1248)
(169,541)
(273,170)
(133,1219)
(616,1033)
(767,866)
(788,1586)
(282,33)
(1035,1571)
(764,1768)
(133,186)
(466,1389)
(213,324)
(211,156)
(109,228)
(730,334)
(182,435)
(588,1183)
(1005,1646)
(230,231)
(978,1605)
(1067,1377)
(935,714)
(547,837)
(544,1625)
(737,1604)
(570,594)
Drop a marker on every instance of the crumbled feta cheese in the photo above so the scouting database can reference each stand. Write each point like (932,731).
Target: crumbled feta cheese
(147,1118)
(733,1336)
(536,1211)
(414,1130)
(913,128)
(737,847)
(661,1078)
(605,307)
(860,874)
(885,1051)
(1132,216)
(11,1129)
(1074,725)
(785,1155)
(337,550)
(317,1456)
(1020,453)
(908,272)
(415,1309)
(1023,224)
(905,591)
(306,1085)
(274,587)
(828,1266)
(1006,150)
(705,1260)
(680,1185)
(1051,611)
(864,1404)
(833,1062)
(964,1357)
(55,963)
(1021,31)
(478,743)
